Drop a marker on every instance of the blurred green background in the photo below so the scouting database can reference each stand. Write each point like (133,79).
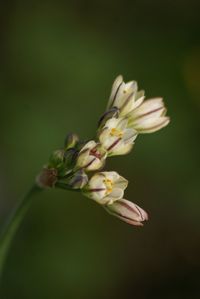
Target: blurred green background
(58,61)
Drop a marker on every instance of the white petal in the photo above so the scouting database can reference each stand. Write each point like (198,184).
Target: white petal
(117,102)
(151,125)
(121,182)
(128,105)
(89,145)
(122,123)
(147,118)
(116,194)
(96,181)
(104,135)
(148,106)
(122,149)
(112,123)
(107,141)
(129,134)
(95,164)
(115,87)
(82,158)
(131,86)
(111,175)
(139,99)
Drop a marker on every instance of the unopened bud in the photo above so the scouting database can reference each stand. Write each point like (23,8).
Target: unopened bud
(91,157)
(47,178)
(56,159)
(127,211)
(70,158)
(79,180)
(71,140)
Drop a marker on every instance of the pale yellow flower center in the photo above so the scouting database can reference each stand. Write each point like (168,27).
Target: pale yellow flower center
(109,185)
(116,132)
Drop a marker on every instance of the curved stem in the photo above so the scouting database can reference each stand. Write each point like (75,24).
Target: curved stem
(13,224)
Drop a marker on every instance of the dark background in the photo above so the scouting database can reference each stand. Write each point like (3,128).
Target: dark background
(58,60)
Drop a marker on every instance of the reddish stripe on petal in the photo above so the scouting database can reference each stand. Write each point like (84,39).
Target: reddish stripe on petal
(148,113)
(89,163)
(114,144)
(126,101)
(155,127)
(115,94)
(130,221)
(140,213)
(96,189)
(132,209)
(125,205)
(124,218)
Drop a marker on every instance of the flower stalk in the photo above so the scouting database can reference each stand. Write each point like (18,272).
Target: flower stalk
(13,223)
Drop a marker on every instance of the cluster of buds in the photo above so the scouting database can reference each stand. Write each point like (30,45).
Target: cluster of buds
(127,115)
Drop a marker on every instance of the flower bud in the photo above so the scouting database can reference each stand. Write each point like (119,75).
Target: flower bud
(71,140)
(91,157)
(70,157)
(127,211)
(56,159)
(47,178)
(78,180)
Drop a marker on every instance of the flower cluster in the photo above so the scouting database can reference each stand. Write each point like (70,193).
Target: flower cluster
(127,115)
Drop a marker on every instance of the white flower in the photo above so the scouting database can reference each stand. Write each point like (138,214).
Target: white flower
(127,211)
(116,138)
(149,116)
(91,157)
(106,187)
(125,96)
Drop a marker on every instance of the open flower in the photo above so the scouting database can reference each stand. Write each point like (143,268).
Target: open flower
(125,96)
(149,116)
(116,138)
(127,211)
(91,157)
(106,187)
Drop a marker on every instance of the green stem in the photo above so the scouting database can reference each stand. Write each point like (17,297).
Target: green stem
(61,185)
(13,224)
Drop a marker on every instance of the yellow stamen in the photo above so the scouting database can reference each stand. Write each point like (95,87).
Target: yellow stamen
(116,132)
(109,185)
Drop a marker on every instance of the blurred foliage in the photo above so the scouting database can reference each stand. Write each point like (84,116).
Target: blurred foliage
(58,61)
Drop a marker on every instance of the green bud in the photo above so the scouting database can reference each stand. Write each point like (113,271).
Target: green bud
(70,157)
(56,159)
(71,140)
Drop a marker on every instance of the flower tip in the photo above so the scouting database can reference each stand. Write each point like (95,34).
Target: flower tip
(71,140)
(119,78)
(128,212)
